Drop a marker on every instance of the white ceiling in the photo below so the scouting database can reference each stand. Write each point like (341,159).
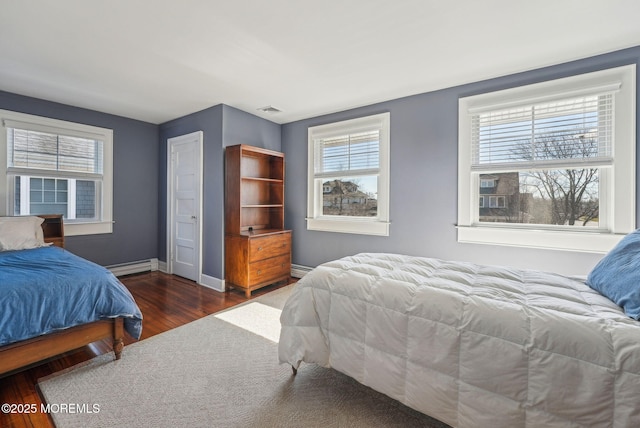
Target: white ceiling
(156,60)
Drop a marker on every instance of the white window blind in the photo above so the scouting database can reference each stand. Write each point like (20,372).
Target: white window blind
(572,131)
(53,152)
(352,154)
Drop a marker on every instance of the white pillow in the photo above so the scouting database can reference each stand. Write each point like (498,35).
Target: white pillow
(21,233)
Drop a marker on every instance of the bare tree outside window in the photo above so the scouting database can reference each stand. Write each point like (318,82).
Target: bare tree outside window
(552,196)
(572,193)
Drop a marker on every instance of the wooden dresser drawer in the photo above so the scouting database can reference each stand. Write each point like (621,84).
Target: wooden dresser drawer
(269,269)
(269,246)
(255,260)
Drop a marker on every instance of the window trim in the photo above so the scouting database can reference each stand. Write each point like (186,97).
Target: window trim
(620,200)
(378,225)
(105,224)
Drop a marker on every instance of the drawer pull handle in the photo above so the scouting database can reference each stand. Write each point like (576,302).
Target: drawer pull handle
(259,271)
(259,248)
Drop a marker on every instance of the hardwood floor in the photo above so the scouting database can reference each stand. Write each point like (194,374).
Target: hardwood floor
(166,302)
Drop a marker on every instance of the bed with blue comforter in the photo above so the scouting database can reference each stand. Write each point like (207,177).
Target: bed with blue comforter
(46,289)
(52,301)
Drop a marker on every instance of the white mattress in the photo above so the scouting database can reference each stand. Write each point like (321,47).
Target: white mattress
(467,344)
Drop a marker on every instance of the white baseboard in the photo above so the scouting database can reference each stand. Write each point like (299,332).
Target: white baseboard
(205,280)
(212,282)
(298,271)
(134,267)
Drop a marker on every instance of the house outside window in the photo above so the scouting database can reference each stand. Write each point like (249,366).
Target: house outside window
(349,176)
(73,198)
(545,158)
(504,200)
(57,167)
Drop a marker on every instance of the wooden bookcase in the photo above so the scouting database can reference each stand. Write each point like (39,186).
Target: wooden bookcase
(257,248)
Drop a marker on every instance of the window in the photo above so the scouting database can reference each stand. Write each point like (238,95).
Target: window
(488,182)
(349,176)
(497,202)
(544,159)
(56,167)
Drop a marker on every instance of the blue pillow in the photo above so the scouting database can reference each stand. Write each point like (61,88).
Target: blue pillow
(617,275)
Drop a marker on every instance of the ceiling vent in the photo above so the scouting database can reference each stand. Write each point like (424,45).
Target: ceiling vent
(270,110)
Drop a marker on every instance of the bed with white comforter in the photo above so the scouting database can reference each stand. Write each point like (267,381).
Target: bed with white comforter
(470,345)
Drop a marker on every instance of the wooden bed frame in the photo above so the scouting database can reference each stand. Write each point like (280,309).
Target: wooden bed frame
(25,353)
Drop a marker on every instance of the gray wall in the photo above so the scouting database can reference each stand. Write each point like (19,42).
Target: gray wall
(423,206)
(240,127)
(135,184)
(222,126)
(423,178)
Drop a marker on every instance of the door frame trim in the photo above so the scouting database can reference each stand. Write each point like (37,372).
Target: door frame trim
(170,197)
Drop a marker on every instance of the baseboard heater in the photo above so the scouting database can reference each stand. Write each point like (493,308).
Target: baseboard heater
(298,271)
(134,267)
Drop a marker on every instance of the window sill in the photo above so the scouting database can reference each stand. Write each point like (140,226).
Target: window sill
(589,242)
(362,227)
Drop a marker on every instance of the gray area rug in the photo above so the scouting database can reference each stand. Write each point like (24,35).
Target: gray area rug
(214,373)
